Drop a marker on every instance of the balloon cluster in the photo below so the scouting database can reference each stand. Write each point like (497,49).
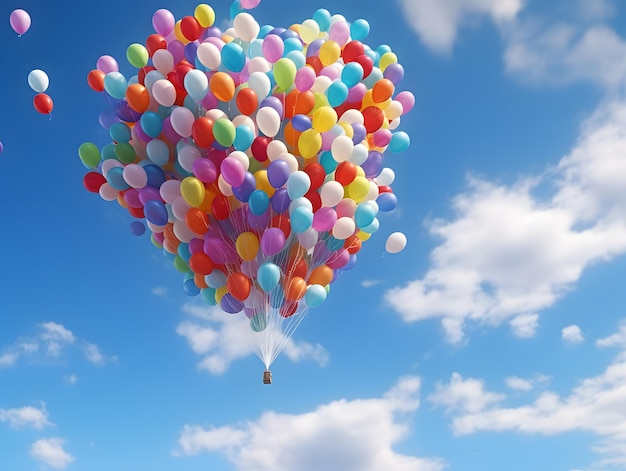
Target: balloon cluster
(255,155)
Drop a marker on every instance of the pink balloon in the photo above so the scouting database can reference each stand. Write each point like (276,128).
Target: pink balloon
(248,4)
(407,100)
(107,64)
(20,21)
(163,21)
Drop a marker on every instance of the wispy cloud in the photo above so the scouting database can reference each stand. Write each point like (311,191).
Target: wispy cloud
(26,417)
(355,435)
(50,451)
(572,334)
(220,339)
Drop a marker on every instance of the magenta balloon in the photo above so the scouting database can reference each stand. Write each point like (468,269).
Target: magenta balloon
(20,21)
(407,100)
(1,147)
(196,245)
(209,101)
(131,198)
(338,259)
(232,171)
(356,93)
(169,133)
(148,193)
(273,47)
(204,170)
(163,21)
(248,4)
(107,64)
(324,219)
(177,49)
(272,241)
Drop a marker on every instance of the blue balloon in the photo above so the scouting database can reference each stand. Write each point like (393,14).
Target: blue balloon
(258,202)
(315,295)
(364,215)
(189,286)
(387,201)
(233,57)
(119,132)
(244,136)
(301,122)
(115,178)
(156,212)
(156,176)
(352,74)
(268,276)
(400,142)
(301,219)
(137,228)
(337,92)
(243,191)
(151,123)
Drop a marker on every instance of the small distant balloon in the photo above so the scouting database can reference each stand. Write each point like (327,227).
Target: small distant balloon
(1,147)
(395,242)
(38,80)
(20,21)
(137,228)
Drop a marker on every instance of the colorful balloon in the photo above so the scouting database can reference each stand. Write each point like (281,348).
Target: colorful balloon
(20,21)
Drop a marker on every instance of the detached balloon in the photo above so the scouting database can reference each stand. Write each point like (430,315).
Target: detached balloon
(43,103)
(395,242)
(20,21)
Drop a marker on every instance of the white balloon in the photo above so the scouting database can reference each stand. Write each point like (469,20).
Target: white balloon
(395,242)
(385,177)
(164,92)
(331,193)
(163,61)
(246,26)
(268,121)
(209,55)
(260,83)
(38,80)
(343,228)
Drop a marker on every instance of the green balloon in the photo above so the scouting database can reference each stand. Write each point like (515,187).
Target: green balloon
(284,72)
(89,154)
(137,55)
(224,132)
(181,265)
(125,152)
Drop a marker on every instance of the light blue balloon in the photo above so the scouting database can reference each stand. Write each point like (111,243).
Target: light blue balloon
(315,295)
(215,279)
(264,30)
(255,49)
(373,227)
(400,142)
(374,76)
(233,57)
(244,136)
(183,251)
(297,57)
(115,84)
(119,132)
(258,202)
(364,215)
(298,184)
(322,17)
(115,178)
(291,44)
(352,74)
(158,152)
(268,276)
(152,77)
(333,244)
(359,29)
(301,219)
(336,93)
(208,294)
(196,84)
(328,162)
(189,286)
(151,123)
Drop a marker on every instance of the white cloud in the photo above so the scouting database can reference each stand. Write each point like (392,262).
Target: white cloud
(71,379)
(518,384)
(52,340)
(615,340)
(8,359)
(355,435)
(222,338)
(50,451)
(525,325)
(572,334)
(437,22)
(26,417)
(542,245)
(596,405)
(159,291)
(370,283)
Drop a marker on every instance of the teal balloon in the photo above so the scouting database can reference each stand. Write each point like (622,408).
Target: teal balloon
(115,178)
(208,294)
(183,251)
(258,323)
(244,136)
(328,162)
(322,17)
(258,202)
(233,57)
(151,123)
(400,142)
(359,29)
(315,295)
(297,57)
(268,276)
(115,84)
(301,219)
(119,132)
(364,215)
(351,74)
(337,92)
(108,152)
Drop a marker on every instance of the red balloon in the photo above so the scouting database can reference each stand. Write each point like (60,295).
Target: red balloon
(282,222)
(352,50)
(220,207)
(141,75)
(314,197)
(43,103)
(316,173)
(95,80)
(247,101)
(154,42)
(288,309)
(373,118)
(366,63)
(345,173)
(136,212)
(190,28)
(202,132)
(201,263)
(259,148)
(92,181)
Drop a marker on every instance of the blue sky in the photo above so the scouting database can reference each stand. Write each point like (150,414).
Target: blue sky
(495,340)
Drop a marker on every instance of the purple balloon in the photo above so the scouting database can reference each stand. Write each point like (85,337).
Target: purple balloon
(273,102)
(394,72)
(258,222)
(137,228)
(107,118)
(1,147)
(278,172)
(373,165)
(243,191)
(219,251)
(168,131)
(280,200)
(204,170)
(196,245)
(272,241)
(126,113)
(230,304)
(190,51)
(148,193)
(107,64)
(163,21)
(359,133)
(177,49)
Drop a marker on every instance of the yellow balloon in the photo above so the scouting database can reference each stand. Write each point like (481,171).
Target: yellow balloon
(220,293)
(329,52)
(320,100)
(192,191)
(359,188)
(178,33)
(386,59)
(247,246)
(205,15)
(263,183)
(347,129)
(309,143)
(324,119)
(363,235)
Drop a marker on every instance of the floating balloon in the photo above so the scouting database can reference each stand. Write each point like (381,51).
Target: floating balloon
(20,21)
(38,80)
(43,103)
(254,157)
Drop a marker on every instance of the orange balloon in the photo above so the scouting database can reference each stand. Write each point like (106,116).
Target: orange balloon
(138,97)
(295,288)
(297,102)
(197,220)
(222,85)
(199,281)
(382,90)
(353,244)
(291,135)
(321,275)
(170,237)
(239,285)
